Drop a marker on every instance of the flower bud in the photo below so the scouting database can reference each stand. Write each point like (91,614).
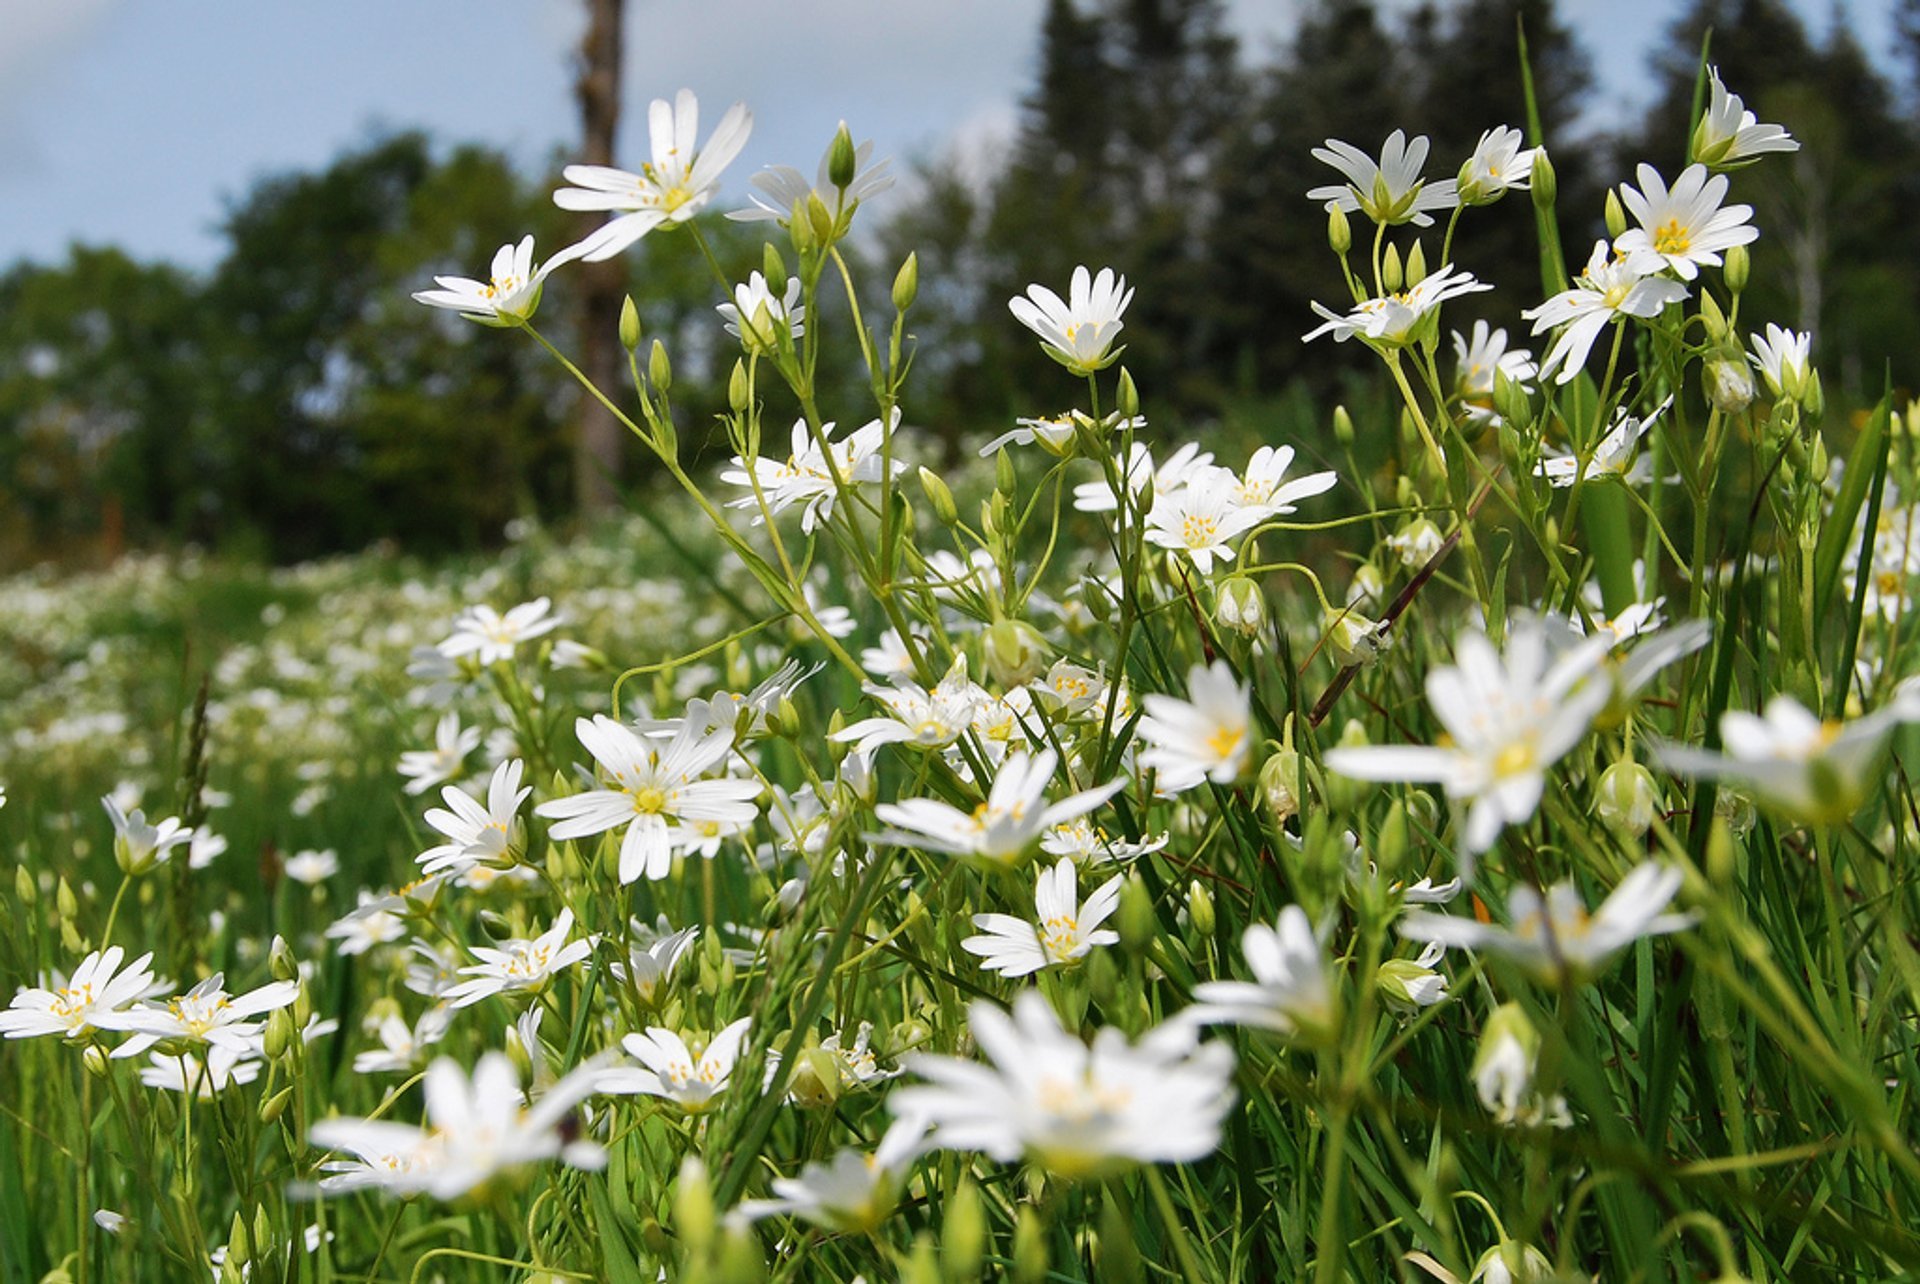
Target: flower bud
(1342,426)
(239,1247)
(1005,480)
(940,496)
(842,160)
(1029,1247)
(1127,397)
(273,1107)
(1713,317)
(1016,654)
(629,324)
(1392,276)
(1339,231)
(95,1060)
(1135,921)
(1344,794)
(1406,986)
(263,1226)
(279,1035)
(1616,214)
(1353,639)
(693,1216)
(1241,607)
(1280,784)
(1738,267)
(906,283)
(740,1260)
(1200,909)
(963,1236)
(1392,841)
(774,268)
(739,388)
(1511,401)
(1544,183)
(1814,399)
(923,1264)
(1416,265)
(281,962)
(659,369)
(24,889)
(1510,1262)
(819,219)
(1627,797)
(1728,384)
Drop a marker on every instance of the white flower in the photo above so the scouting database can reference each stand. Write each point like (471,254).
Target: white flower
(1079,1111)
(1783,358)
(651,786)
(402,1046)
(1390,191)
(855,1192)
(1079,331)
(1067,931)
(1408,985)
(1498,165)
(1201,518)
(475,1129)
(1616,457)
(1393,320)
(1098,497)
(477,834)
(673,1071)
(928,719)
(206,1014)
(1503,1073)
(1012,819)
(507,298)
(1263,488)
(1509,717)
(184,1072)
(1814,770)
(1729,134)
(368,924)
(1479,360)
(807,476)
(651,966)
(490,637)
(1088,844)
(204,848)
(785,188)
(1684,227)
(1205,738)
(521,967)
(138,846)
(71,1006)
(670,188)
(781,313)
(1612,286)
(425,768)
(312,867)
(1290,993)
(1555,937)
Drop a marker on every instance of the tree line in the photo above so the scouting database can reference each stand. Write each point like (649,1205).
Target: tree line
(293,401)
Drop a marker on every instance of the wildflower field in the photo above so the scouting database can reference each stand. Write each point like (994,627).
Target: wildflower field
(1479,851)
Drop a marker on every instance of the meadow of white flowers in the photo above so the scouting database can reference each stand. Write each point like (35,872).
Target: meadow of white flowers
(1120,861)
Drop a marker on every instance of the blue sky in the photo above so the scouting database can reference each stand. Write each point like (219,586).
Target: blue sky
(134,122)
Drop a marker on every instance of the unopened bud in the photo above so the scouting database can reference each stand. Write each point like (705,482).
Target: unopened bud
(1616,214)
(774,268)
(25,890)
(1738,267)
(1241,607)
(963,1237)
(629,324)
(64,902)
(1814,399)
(1393,841)
(239,1247)
(1353,639)
(1342,426)
(693,1217)
(1728,384)
(739,388)
(1127,397)
(842,160)
(1510,400)
(281,962)
(1721,855)
(906,283)
(659,368)
(1016,654)
(1392,276)
(1627,797)
(1116,1256)
(819,219)
(1339,231)
(1029,1247)
(940,496)
(1280,784)
(1200,909)
(1136,918)
(273,1107)
(1416,265)
(1544,184)
(279,1035)
(95,1060)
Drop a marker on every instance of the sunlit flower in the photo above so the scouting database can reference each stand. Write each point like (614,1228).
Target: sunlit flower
(1205,738)
(368,924)
(1783,358)
(1390,190)
(671,188)
(139,846)
(1290,993)
(1556,936)
(1509,717)
(927,719)
(425,768)
(1263,487)
(507,297)
(71,1006)
(1079,331)
(479,834)
(1098,496)
(1503,1073)
(651,966)
(1616,457)
(403,1046)
(183,1072)
(854,1192)
(671,1070)
(1613,285)
(1201,518)
(1001,829)
(1078,1111)
(1393,320)
(1479,361)
(490,637)
(1067,931)
(1088,844)
(1498,165)
(1685,227)
(521,967)
(1728,134)
(782,187)
(764,315)
(808,475)
(312,867)
(206,1014)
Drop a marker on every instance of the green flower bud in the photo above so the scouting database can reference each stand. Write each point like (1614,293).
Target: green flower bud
(1280,784)
(842,160)
(659,369)
(629,324)
(1005,480)
(279,1034)
(963,1235)
(1392,276)
(1127,397)
(1721,854)
(281,962)
(1339,231)
(1342,426)
(1544,183)
(239,1247)
(819,219)
(1241,607)
(1737,268)
(1713,317)
(1416,265)
(273,1107)
(739,388)
(940,496)
(96,1061)
(1814,399)
(774,268)
(1016,654)
(1393,841)
(1627,797)
(1344,794)
(693,1215)
(906,283)
(1136,920)
(1406,987)
(923,1264)
(1616,214)
(24,889)
(1353,639)
(1200,909)
(1029,1247)
(262,1225)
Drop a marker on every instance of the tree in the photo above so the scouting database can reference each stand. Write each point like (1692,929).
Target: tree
(601,286)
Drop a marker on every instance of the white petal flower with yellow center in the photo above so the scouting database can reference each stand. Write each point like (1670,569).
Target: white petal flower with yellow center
(1509,716)
(137,845)
(670,188)
(919,717)
(1263,488)
(812,476)
(853,1193)
(1612,285)
(1088,844)
(671,1070)
(1682,228)
(1389,190)
(1067,931)
(521,967)
(1394,320)
(1479,360)
(1499,164)
(1001,829)
(490,637)
(1205,738)
(1616,458)
(1201,518)
(652,786)
(1290,993)
(477,834)
(1783,358)
(183,1072)
(507,297)
(70,1006)
(1139,469)
(1078,331)
(425,768)
(1079,1111)
(757,317)
(206,1014)
(1729,135)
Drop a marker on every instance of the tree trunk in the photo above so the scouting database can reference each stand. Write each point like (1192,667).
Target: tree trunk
(596,454)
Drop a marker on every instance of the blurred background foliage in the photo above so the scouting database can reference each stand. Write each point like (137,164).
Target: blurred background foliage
(293,400)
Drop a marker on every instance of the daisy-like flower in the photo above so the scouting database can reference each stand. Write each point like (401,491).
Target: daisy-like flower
(1729,135)
(1613,285)
(1509,718)
(368,924)
(1498,165)
(312,867)
(807,476)
(1264,487)
(183,1073)
(652,786)
(1809,769)
(671,188)
(71,1006)
(855,1192)
(476,834)
(1556,937)
(475,1130)
(139,846)
(1503,1071)
(1783,358)
(1001,829)
(206,1014)
(1616,457)
(490,637)
(1087,844)
(403,1046)
(1202,518)
(1393,320)
(671,1070)
(1067,930)
(507,297)
(1078,331)
(651,966)
(782,187)
(425,768)
(1098,497)
(1389,190)
(1060,435)
(521,967)
(1079,1111)
(1290,994)
(1684,227)
(1204,738)
(927,719)
(757,311)
(1480,359)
